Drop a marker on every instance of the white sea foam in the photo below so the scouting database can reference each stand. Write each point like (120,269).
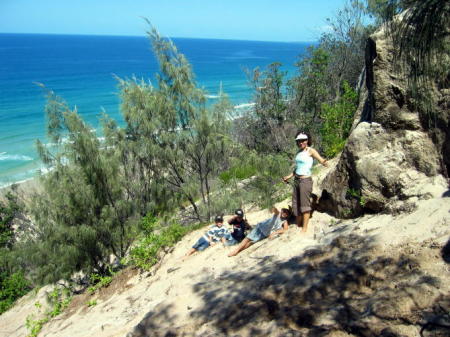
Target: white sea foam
(24,176)
(14,157)
(212,96)
(65,140)
(45,170)
(18,177)
(7,184)
(244,106)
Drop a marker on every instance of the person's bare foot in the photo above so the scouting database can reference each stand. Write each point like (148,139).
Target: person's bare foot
(232,254)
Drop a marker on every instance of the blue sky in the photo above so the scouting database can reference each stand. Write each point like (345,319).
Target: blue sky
(267,20)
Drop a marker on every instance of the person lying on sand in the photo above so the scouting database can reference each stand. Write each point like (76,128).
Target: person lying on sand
(272,227)
(239,225)
(215,234)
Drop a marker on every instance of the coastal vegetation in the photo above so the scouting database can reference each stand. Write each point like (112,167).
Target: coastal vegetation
(13,283)
(177,162)
(156,238)
(58,300)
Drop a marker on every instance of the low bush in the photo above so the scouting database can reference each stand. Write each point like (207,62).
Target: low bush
(264,189)
(238,172)
(59,300)
(13,283)
(99,281)
(12,287)
(157,236)
(337,121)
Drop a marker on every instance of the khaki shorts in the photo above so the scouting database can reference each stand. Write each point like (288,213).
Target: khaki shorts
(301,196)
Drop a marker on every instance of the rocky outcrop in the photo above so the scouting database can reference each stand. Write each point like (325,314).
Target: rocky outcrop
(391,150)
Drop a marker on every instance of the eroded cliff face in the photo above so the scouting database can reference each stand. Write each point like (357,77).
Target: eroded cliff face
(392,158)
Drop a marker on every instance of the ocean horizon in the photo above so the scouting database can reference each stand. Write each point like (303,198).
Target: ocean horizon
(82,69)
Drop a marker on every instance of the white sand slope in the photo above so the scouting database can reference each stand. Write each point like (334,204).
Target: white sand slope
(376,272)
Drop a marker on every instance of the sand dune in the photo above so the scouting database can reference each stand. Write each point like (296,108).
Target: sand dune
(376,274)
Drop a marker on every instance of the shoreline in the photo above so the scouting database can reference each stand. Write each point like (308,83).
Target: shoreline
(24,189)
(95,90)
(20,182)
(238,111)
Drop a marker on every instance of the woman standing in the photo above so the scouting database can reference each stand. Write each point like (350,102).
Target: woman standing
(301,196)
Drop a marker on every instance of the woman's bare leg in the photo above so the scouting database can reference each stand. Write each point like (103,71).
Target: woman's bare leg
(305,220)
(243,245)
(299,220)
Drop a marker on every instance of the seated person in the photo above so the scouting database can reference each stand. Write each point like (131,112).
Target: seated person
(215,234)
(276,225)
(240,226)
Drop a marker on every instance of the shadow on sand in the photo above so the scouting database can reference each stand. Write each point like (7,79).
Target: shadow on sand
(349,288)
(445,252)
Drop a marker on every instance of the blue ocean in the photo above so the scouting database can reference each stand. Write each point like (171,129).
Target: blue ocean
(82,70)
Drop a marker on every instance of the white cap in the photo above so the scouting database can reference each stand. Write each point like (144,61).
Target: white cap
(301,136)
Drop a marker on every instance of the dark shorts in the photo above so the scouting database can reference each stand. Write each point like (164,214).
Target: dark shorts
(201,244)
(301,196)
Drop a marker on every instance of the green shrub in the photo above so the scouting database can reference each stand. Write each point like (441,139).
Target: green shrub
(238,172)
(157,237)
(337,120)
(59,300)
(263,189)
(357,194)
(35,326)
(12,287)
(8,212)
(99,281)
(13,283)
(91,303)
(148,224)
